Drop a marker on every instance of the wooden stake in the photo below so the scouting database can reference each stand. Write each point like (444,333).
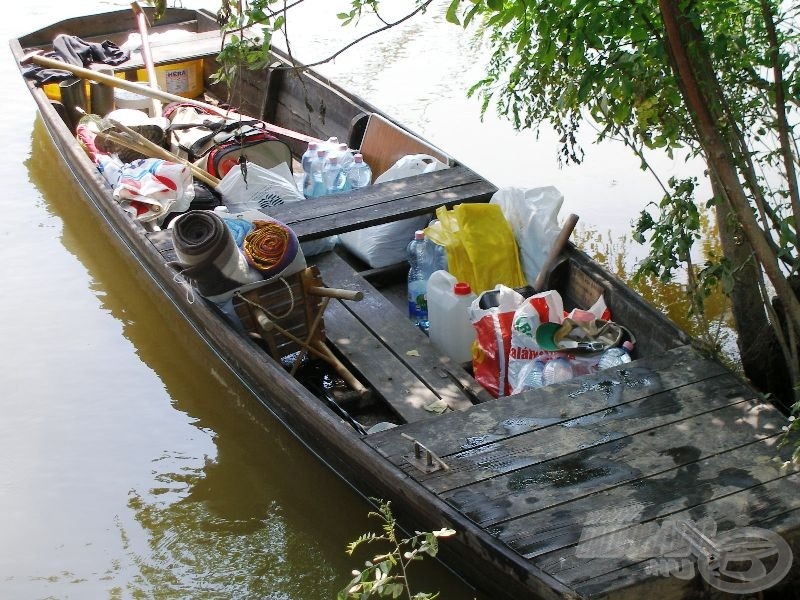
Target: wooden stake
(147,55)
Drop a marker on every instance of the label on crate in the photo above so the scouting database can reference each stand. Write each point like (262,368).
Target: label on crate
(177,81)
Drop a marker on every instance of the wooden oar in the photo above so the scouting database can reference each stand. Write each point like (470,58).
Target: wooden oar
(144,90)
(555,250)
(147,55)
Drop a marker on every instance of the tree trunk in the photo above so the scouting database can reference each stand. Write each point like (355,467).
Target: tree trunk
(762,360)
(702,96)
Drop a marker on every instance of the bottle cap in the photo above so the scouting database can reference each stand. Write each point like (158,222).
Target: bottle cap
(462,288)
(628,345)
(419,234)
(358,158)
(312,145)
(321,152)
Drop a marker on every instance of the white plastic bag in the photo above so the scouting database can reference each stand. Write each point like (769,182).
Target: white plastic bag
(532,214)
(263,189)
(383,245)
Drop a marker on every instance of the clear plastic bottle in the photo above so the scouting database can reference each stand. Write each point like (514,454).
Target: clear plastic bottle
(332,176)
(614,357)
(438,253)
(359,175)
(556,371)
(308,156)
(438,256)
(314,186)
(535,377)
(345,157)
(417,281)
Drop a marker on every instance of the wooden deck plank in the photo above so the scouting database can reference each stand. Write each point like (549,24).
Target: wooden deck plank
(658,495)
(554,405)
(381,203)
(754,505)
(394,330)
(524,452)
(403,391)
(198,45)
(538,470)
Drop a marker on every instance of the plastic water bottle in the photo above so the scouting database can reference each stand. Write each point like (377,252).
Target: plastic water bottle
(450,328)
(308,156)
(417,281)
(614,357)
(556,371)
(438,256)
(438,253)
(359,175)
(535,377)
(333,176)
(345,157)
(314,186)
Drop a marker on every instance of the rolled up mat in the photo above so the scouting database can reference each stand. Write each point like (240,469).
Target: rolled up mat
(270,247)
(207,251)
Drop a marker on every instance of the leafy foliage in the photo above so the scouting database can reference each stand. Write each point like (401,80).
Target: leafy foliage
(385,575)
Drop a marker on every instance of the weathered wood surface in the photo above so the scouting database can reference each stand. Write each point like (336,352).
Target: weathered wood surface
(619,457)
(674,437)
(114,25)
(385,373)
(655,496)
(392,329)
(376,204)
(538,458)
(385,143)
(590,397)
(750,506)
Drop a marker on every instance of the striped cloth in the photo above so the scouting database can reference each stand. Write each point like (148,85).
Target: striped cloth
(210,258)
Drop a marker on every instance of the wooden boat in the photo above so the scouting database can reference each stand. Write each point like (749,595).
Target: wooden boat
(671,437)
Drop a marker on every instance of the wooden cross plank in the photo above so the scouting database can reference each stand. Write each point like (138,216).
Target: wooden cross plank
(534,410)
(381,203)
(658,495)
(567,478)
(752,506)
(385,372)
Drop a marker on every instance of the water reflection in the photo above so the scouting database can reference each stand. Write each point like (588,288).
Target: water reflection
(230,505)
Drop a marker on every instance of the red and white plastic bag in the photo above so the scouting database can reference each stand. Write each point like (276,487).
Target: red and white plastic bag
(493,339)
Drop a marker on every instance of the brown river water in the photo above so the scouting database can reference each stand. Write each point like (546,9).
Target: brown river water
(133,464)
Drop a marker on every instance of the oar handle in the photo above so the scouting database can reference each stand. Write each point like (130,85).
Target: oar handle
(555,250)
(147,91)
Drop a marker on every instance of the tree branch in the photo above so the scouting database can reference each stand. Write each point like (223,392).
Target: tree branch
(413,13)
(780,111)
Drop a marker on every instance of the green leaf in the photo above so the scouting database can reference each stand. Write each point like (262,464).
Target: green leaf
(451,16)
(496,5)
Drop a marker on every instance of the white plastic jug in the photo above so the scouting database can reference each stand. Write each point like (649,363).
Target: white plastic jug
(451,330)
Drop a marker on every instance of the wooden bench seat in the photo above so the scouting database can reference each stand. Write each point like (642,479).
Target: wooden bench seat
(382,203)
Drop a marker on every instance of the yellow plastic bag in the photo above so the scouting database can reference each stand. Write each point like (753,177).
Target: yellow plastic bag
(480,245)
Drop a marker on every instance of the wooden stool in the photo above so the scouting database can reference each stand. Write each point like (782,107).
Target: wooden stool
(288,315)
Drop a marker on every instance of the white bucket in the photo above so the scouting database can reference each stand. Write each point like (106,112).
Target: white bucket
(451,330)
